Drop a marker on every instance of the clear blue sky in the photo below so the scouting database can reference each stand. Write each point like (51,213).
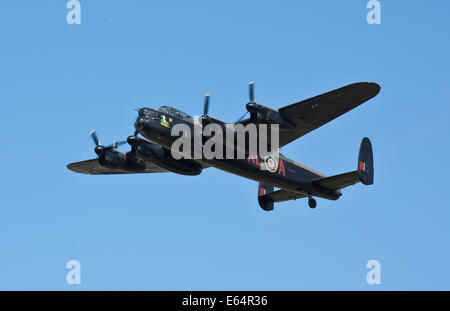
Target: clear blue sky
(163,232)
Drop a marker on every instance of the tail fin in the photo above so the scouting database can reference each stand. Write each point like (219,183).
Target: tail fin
(267,196)
(363,174)
(264,201)
(365,162)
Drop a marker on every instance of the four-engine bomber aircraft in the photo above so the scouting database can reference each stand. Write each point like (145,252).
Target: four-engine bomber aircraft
(152,154)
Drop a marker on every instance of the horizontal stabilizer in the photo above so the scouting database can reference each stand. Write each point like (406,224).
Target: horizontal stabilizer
(284,195)
(338,181)
(364,172)
(266,196)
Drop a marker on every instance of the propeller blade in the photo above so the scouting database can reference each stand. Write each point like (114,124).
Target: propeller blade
(116,144)
(241,118)
(251,91)
(94,137)
(206,107)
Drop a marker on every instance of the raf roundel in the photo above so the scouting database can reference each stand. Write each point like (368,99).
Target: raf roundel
(271,163)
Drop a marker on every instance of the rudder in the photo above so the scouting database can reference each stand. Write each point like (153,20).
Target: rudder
(265,202)
(365,162)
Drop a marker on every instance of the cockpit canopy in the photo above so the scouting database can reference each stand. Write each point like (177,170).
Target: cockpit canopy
(175,112)
(146,112)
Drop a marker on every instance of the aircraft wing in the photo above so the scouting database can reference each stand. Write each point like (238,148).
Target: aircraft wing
(93,167)
(309,114)
(312,113)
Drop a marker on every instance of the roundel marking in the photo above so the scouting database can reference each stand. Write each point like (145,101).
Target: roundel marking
(271,163)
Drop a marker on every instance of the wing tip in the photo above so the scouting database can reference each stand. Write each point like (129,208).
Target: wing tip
(371,88)
(79,168)
(375,87)
(363,90)
(72,167)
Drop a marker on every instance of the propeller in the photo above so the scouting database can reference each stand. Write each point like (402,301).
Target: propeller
(99,149)
(132,140)
(251,91)
(94,137)
(251,104)
(242,117)
(205,116)
(206,106)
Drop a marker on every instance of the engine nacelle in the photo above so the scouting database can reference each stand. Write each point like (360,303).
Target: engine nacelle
(162,157)
(115,159)
(265,115)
